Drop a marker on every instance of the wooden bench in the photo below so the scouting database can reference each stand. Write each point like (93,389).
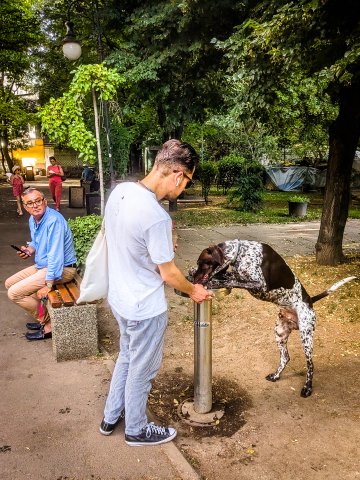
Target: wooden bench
(64,295)
(74,327)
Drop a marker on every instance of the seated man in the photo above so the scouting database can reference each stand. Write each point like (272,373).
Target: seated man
(55,261)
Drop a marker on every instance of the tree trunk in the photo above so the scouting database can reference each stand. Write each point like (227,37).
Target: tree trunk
(343,139)
(5,149)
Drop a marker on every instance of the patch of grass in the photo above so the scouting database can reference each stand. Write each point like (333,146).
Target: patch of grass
(274,209)
(187,319)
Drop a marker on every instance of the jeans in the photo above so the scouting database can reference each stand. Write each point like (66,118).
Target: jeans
(141,349)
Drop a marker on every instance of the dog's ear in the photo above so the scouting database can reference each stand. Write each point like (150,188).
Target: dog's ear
(217,254)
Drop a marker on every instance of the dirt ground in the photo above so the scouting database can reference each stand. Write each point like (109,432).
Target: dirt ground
(268,431)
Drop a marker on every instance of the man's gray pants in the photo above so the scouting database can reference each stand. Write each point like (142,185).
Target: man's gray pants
(141,348)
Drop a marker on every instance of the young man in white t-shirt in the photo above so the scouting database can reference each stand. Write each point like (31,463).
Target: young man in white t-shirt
(141,260)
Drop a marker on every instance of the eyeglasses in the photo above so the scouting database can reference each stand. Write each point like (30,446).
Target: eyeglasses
(190,181)
(36,203)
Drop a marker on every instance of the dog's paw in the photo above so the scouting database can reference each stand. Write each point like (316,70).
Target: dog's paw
(272,377)
(306,391)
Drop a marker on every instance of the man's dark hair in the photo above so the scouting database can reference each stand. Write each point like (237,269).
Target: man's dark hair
(175,153)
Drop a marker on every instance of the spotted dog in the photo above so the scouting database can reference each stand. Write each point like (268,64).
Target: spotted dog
(265,274)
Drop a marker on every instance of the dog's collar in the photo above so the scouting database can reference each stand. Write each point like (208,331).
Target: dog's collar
(228,262)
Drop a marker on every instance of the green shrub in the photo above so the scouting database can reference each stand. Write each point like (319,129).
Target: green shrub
(84,230)
(247,194)
(206,172)
(230,169)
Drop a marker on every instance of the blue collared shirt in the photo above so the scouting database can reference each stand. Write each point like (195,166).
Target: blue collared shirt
(53,243)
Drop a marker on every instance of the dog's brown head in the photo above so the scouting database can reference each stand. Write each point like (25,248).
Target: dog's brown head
(208,261)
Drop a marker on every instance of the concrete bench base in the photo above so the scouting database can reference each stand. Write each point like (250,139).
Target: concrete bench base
(74,331)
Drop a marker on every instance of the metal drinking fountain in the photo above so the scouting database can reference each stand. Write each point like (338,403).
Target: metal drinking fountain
(199,411)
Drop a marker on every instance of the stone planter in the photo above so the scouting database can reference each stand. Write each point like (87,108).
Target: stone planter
(297,209)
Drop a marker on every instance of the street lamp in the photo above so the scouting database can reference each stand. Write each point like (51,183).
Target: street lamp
(71,46)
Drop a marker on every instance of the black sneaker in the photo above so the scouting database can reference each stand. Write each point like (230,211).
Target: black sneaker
(108,428)
(34,326)
(151,435)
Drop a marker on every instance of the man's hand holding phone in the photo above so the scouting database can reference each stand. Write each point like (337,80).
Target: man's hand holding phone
(23,252)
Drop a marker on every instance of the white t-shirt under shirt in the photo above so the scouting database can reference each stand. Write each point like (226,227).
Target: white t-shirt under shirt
(139,237)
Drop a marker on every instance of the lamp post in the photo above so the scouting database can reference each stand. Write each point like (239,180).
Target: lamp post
(104,102)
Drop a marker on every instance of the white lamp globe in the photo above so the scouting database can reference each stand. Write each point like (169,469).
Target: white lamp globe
(71,46)
(72,50)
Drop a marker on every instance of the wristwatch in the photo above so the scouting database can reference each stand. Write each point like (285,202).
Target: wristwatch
(49,285)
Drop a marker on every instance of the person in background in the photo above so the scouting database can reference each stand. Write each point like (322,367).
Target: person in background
(141,261)
(89,177)
(17,183)
(53,250)
(55,172)
(86,175)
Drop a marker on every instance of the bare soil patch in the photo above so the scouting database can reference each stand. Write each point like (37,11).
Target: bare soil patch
(268,431)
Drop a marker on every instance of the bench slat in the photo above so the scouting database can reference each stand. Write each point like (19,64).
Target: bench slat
(65,294)
(54,299)
(67,299)
(73,289)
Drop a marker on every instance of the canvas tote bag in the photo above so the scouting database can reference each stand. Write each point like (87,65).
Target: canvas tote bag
(95,283)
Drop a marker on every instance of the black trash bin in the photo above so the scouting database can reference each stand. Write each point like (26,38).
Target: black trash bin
(29,172)
(76,197)
(93,203)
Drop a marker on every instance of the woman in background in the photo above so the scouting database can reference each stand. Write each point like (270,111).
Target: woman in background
(17,183)
(55,172)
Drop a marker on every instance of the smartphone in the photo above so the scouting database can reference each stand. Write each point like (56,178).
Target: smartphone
(16,248)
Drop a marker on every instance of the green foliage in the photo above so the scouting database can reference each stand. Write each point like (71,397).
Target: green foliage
(63,119)
(209,139)
(84,230)
(230,169)
(206,172)
(248,179)
(166,53)
(19,32)
(247,194)
(15,116)
(289,67)
(122,137)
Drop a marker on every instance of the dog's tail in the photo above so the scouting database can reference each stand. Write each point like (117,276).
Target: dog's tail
(332,289)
